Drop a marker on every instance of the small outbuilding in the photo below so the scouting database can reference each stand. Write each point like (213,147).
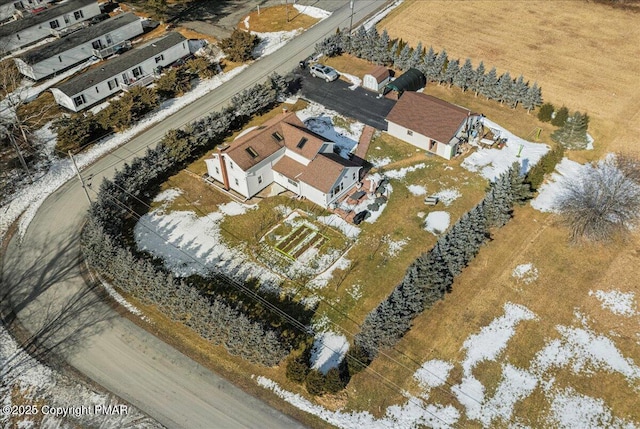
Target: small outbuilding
(411,80)
(376,79)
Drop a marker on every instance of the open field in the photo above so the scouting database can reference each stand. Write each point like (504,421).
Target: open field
(584,55)
(275,19)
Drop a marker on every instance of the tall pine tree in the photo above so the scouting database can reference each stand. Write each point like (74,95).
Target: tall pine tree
(478,79)
(464,78)
(490,85)
(450,74)
(533,98)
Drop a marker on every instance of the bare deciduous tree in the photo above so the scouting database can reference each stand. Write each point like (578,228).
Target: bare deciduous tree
(602,203)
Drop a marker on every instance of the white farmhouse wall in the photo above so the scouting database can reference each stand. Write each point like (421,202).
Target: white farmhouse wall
(262,170)
(77,54)
(418,140)
(284,181)
(237,178)
(41,31)
(314,195)
(213,168)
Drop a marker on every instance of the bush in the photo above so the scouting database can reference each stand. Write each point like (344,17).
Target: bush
(546,165)
(202,67)
(315,383)
(120,114)
(573,134)
(546,112)
(297,369)
(561,117)
(76,131)
(240,45)
(357,359)
(333,382)
(173,83)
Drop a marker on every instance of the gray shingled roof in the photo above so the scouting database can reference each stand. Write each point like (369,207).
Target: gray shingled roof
(77,38)
(44,16)
(119,64)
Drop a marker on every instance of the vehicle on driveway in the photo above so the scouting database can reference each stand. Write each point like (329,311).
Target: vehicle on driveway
(324,72)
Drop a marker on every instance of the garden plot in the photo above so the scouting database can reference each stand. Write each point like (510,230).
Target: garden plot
(577,350)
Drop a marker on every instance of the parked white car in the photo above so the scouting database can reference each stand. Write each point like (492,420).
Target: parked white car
(324,72)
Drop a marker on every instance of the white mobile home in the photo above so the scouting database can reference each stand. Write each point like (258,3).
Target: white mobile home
(431,124)
(135,67)
(11,8)
(58,55)
(284,151)
(38,26)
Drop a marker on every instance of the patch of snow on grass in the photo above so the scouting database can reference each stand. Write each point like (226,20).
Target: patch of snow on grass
(437,222)
(525,272)
(394,246)
(312,11)
(583,350)
(516,384)
(566,170)
(120,299)
(271,42)
(168,195)
(246,22)
(380,162)
(447,196)
(493,338)
(433,373)
(620,303)
(322,279)
(402,172)
(336,221)
(411,415)
(570,409)
(490,163)
(320,120)
(417,190)
(234,208)
(189,244)
(380,15)
(27,201)
(328,351)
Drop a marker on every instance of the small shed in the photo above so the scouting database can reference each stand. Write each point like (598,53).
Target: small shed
(411,80)
(376,79)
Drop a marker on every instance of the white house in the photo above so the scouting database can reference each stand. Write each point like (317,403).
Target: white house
(60,54)
(431,124)
(376,79)
(11,8)
(284,151)
(138,66)
(38,26)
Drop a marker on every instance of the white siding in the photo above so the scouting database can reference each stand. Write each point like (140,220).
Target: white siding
(7,10)
(264,170)
(297,157)
(370,82)
(418,140)
(314,195)
(347,181)
(285,183)
(237,178)
(148,67)
(43,30)
(213,168)
(77,54)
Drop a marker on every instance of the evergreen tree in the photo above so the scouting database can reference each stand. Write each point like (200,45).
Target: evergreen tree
(505,85)
(533,98)
(369,47)
(518,92)
(450,74)
(333,45)
(240,45)
(315,383)
(297,369)
(520,191)
(490,85)
(402,60)
(464,79)
(358,41)
(416,56)
(478,79)
(333,381)
(382,50)
(546,112)
(437,70)
(427,64)
(561,117)
(573,135)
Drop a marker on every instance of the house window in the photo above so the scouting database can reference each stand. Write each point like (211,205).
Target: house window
(113,83)
(107,37)
(302,142)
(78,14)
(66,19)
(217,171)
(409,132)
(159,58)
(79,100)
(252,152)
(259,179)
(54,24)
(277,136)
(137,72)
(236,181)
(97,44)
(293,182)
(432,144)
(231,165)
(354,175)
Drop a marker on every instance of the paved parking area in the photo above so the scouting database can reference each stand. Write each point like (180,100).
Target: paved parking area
(360,104)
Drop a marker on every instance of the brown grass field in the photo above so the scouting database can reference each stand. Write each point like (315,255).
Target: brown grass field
(275,19)
(584,55)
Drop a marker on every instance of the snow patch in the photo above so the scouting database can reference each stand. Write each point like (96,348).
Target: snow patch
(328,351)
(380,162)
(619,303)
(566,170)
(246,22)
(447,196)
(402,172)
(417,190)
(234,208)
(525,272)
(355,80)
(322,279)
(490,163)
(433,373)
(394,247)
(437,222)
(120,299)
(336,221)
(570,409)
(312,11)
(168,195)
(380,15)
(271,42)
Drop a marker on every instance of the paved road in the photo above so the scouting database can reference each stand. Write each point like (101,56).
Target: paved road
(41,277)
(363,105)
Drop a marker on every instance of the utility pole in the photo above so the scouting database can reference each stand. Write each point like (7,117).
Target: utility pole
(351,23)
(286,2)
(15,145)
(75,167)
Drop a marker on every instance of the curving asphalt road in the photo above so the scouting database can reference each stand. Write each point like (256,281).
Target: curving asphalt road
(42,280)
